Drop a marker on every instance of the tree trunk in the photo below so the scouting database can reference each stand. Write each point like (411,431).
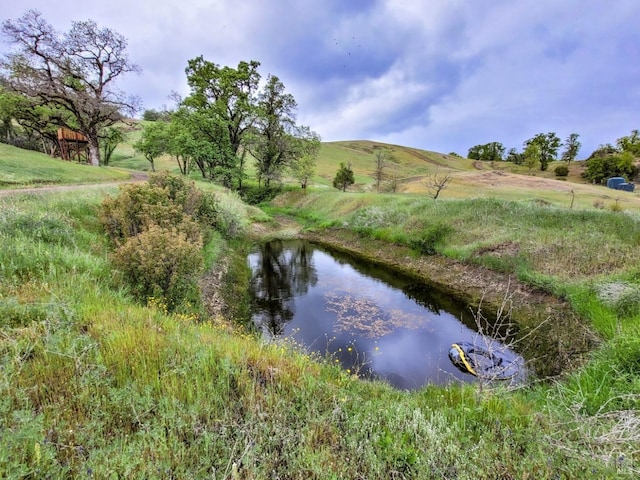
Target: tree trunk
(94,151)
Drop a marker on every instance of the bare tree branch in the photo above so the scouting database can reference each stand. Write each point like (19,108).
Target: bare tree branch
(436,182)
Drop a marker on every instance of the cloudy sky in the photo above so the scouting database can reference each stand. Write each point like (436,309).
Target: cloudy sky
(441,75)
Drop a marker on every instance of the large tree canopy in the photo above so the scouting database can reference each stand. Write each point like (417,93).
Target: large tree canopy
(492,152)
(273,144)
(548,145)
(73,73)
(224,97)
(228,115)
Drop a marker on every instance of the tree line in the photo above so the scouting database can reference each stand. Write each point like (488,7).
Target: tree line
(542,149)
(225,119)
(50,80)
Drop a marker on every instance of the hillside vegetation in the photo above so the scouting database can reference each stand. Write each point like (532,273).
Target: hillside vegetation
(24,168)
(93,383)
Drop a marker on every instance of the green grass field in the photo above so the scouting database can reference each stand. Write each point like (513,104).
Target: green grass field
(94,385)
(22,168)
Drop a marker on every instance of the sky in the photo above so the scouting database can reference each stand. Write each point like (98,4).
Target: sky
(440,75)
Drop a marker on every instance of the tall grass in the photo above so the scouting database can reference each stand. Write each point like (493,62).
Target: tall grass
(95,385)
(516,236)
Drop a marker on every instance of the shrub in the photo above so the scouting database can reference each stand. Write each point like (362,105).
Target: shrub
(163,264)
(432,237)
(165,200)
(253,194)
(562,171)
(231,218)
(180,191)
(375,216)
(133,210)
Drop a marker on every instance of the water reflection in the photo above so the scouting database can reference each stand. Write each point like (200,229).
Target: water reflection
(372,321)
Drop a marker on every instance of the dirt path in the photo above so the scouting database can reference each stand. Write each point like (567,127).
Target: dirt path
(135,177)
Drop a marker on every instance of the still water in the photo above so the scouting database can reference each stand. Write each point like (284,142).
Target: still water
(372,321)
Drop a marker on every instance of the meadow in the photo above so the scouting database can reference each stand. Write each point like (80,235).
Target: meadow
(94,384)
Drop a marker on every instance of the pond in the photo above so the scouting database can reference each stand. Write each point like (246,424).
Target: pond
(372,321)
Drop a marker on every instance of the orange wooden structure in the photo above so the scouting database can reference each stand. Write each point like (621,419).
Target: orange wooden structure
(73,145)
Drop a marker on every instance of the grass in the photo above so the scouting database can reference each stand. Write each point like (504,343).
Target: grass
(20,168)
(93,384)
(562,243)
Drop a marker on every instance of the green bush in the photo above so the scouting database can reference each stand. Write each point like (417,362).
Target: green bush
(161,264)
(133,210)
(181,191)
(166,200)
(431,238)
(561,171)
(231,218)
(254,194)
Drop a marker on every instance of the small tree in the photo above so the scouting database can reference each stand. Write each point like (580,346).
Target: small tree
(571,148)
(436,182)
(344,177)
(303,165)
(153,142)
(547,144)
(303,169)
(110,138)
(393,183)
(514,157)
(380,159)
(630,143)
(531,156)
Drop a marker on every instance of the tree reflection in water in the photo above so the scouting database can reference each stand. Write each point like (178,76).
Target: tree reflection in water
(280,274)
(372,321)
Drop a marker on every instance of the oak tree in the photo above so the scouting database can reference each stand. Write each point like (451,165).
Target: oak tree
(380,164)
(221,106)
(548,145)
(73,72)
(571,148)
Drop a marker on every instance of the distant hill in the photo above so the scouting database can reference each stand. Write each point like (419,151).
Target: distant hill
(412,167)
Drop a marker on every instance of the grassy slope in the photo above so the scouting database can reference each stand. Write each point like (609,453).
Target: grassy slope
(469,179)
(92,384)
(20,168)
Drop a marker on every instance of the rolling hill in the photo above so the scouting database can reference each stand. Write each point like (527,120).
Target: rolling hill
(411,167)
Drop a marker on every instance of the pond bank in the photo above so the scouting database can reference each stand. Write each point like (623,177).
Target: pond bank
(553,338)
(556,338)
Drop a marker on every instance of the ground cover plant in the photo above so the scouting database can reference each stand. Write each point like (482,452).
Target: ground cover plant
(97,382)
